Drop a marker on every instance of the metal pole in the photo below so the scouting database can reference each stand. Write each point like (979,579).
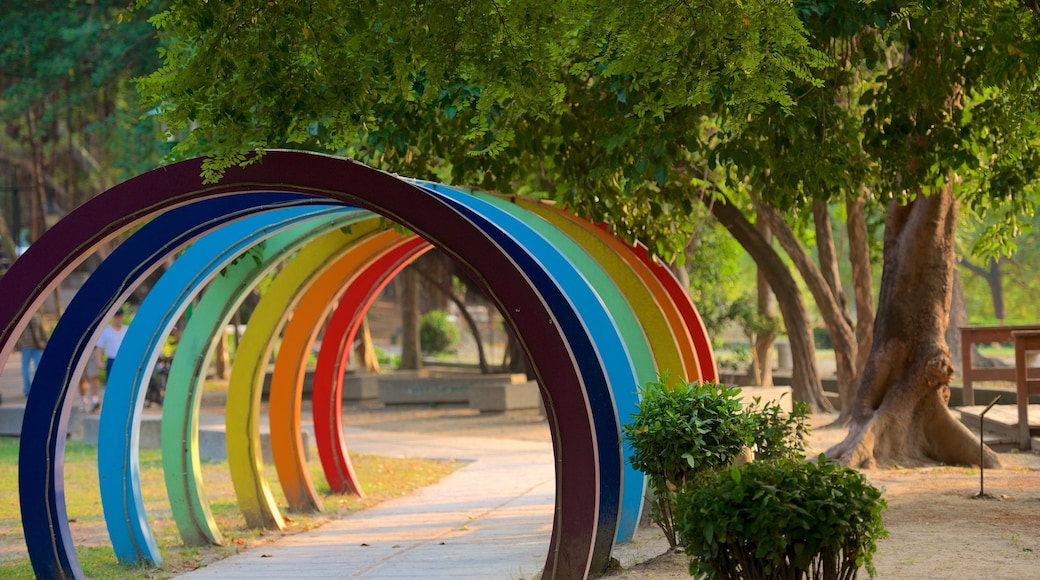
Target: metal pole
(982,449)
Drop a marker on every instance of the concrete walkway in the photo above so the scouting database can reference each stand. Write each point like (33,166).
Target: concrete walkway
(490,519)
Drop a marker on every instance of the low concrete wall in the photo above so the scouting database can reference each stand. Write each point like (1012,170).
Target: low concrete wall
(213,444)
(11,421)
(212,438)
(782,395)
(427,387)
(359,388)
(505,397)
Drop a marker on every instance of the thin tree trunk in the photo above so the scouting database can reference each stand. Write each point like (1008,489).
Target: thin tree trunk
(994,277)
(7,238)
(805,379)
(38,192)
(762,359)
(837,322)
(411,355)
(365,351)
(220,357)
(862,277)
(449,293)
(900,416)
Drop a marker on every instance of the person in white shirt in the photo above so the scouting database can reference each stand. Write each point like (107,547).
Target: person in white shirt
(109,342)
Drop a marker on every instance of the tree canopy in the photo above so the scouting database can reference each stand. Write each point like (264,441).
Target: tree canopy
(600,102)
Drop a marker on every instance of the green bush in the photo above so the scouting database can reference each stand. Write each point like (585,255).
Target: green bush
(777,434)
(386,359)
(781,520)
(437,333)
(683,432)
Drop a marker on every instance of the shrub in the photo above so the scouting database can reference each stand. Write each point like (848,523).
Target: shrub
(437,333)
(781,520)
(777,434)
(683,432)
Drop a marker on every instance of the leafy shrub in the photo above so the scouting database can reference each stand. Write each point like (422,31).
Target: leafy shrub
(683,432)
(386,359)
(437,333)
(777,434)
(736,355)
(781,520)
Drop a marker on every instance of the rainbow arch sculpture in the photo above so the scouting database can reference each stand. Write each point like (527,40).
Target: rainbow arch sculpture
(595,316)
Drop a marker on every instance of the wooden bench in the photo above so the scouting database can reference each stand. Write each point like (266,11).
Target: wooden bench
(1026,382)
(973,335)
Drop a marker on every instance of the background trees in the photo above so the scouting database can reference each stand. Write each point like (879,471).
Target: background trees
(73,123)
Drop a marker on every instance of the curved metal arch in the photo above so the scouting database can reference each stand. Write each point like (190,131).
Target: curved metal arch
(569,395)
(210,316)
(327,393)
(330,289)
(335,249)
(166,302)
(44,425)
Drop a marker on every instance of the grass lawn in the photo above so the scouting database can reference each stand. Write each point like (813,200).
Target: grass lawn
(382,478)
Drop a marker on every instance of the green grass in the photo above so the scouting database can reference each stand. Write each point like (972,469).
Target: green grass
(382,478)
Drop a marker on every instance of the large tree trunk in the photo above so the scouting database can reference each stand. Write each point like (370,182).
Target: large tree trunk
(365,351)
(900,416)
(805,380)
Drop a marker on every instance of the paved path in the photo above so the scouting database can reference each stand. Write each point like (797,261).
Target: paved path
(491,519)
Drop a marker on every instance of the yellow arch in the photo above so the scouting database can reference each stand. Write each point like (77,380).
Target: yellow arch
(242,416)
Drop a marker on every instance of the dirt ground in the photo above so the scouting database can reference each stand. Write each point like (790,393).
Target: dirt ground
(937,529)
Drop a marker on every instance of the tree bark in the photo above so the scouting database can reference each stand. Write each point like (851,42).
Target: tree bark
(762,349)
(838,323)
(900,416)
(862,276)
(411,356)
(365,351)
(447,291)
(805,379)
(994,277)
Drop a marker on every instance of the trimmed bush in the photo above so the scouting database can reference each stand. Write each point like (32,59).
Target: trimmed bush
(437,333)
(781,520)
(681,433)
(777,434)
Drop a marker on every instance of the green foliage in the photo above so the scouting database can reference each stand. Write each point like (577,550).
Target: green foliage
(484,93)
(777,434)
(386,359)
(437,333)
(781,520)
(683,433)
(68,67)
(686,430)
(734,355)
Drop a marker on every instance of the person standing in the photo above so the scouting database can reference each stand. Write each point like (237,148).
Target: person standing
(31,344)
(91,381)
(109,343)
